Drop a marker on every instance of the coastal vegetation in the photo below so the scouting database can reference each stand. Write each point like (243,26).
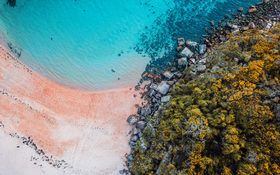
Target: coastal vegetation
(226,120)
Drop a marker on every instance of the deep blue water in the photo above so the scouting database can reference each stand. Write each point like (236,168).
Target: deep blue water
(102,44)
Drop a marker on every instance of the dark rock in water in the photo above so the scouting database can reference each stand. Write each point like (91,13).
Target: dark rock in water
(12,3)
(140,124)
(240,9)
(113,70)
(131,120)
(181,41)
(212,23)
(182,61)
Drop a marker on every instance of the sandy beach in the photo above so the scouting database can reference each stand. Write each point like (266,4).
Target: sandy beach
(86,129)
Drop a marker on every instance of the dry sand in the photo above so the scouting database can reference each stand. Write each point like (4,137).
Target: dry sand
(86,129)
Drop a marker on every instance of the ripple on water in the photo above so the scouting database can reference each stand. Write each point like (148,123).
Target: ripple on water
(78,43)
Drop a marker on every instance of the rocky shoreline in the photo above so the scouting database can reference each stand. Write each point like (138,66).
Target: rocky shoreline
(191,60)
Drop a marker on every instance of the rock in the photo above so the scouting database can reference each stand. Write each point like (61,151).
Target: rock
(244,28)
(192,43)
(269,25)
(181,41)
(12,3)
(192,60)
(236,60)
(186,52)
(178,74)
(163,88)
(170,82)
(240,9)
(134,138)
(202,48)
(135,131)
(140,125)
(251,25)
(167,74)
(152,92)
(146,111)
(201,68)
(140,134)
(212,23)
(166,99)
(252,9)
(182,61)
(158,96)
(131,120)
(202,61)
(153,86)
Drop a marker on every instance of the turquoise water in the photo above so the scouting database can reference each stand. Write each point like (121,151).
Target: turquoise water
(103,44)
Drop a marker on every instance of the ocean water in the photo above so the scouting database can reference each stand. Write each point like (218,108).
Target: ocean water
(104,44)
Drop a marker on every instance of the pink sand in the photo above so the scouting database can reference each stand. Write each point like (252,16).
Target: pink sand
(87,129)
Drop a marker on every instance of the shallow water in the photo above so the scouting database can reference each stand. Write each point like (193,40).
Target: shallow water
(96,45)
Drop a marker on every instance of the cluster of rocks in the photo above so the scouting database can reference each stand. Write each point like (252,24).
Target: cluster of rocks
(155,92)
(62,164)
(193,55)
(263,16)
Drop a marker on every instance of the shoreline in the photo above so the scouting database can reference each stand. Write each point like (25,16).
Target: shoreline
(37,107)
(190,62)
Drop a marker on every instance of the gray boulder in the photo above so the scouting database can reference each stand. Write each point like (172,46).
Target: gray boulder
(202,48)
(186,52)
(166,99)
(163,88)
(167,74)
(201,68)
(131,120)
(140,125)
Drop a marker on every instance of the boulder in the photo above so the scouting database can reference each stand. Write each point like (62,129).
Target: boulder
(202,48)
(201,68)
(134,138)
(186,52)
(192,43)
(202,61)
(181,41)
(167,74)
(135,131)
(153,86)
(166,99)
(182,61)
(131,119)
(252,9)
(240,9)
(171,82)
(140,125)
(163,88)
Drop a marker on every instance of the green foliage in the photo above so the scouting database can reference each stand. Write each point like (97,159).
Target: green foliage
(221,122)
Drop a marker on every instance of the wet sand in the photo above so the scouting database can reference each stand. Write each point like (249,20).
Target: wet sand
(87,129)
